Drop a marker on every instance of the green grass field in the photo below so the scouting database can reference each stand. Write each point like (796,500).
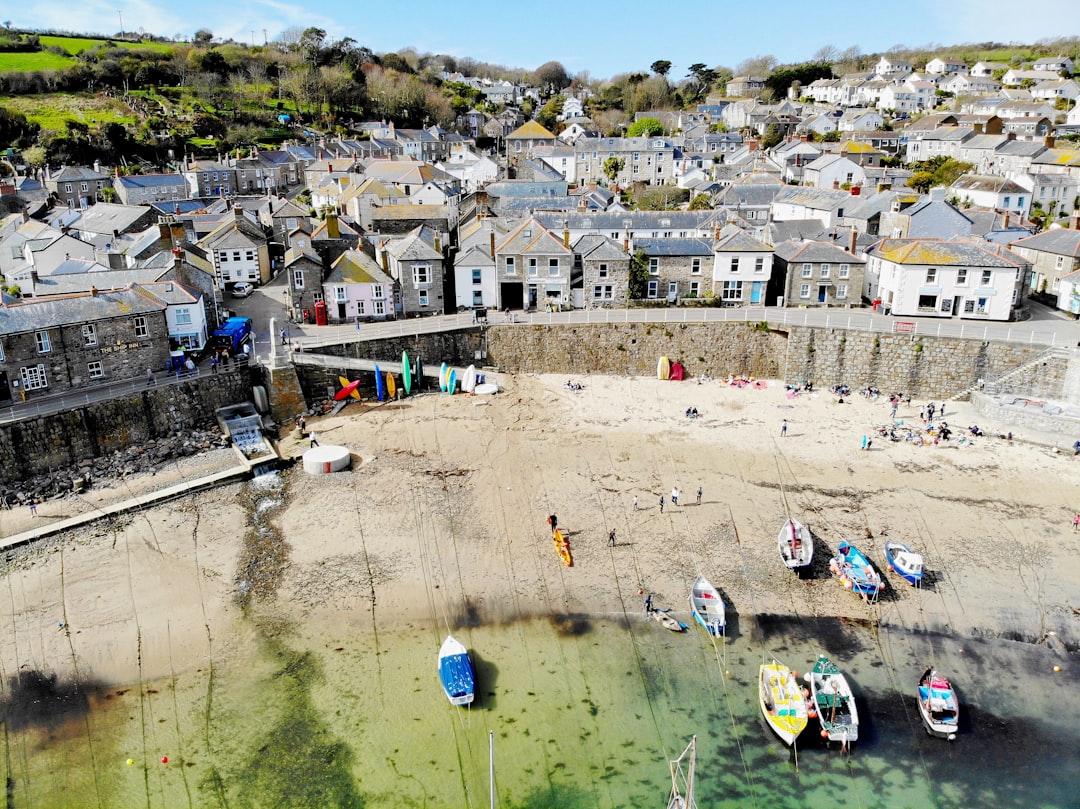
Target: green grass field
(28,62)
(75,45)
(54,110)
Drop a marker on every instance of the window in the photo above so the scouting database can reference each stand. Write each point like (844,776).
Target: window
(961,277)
(421,274)
(807,270)
(377,292)
(825,270)
(89,333)
(654,287)
(183,316)
(33,377)
(67,187)
(841,292)
(695,289)
(603,292)
(379,307)
(477,298)
(695,266)
(339,294)
(1,353)
(602,271)
(44,346)
(235,255)
(140,327)
(734,264)
(1007,201)
(931,275)
(249,255)
(360,308)
(804,290)
(84,187)
(532,266)
(732,291)
(759,264)
(477,277)
(982,306)
(511,269)
(223,257)
(986,276)
(95,370)
(423,296)
(654,266)
(928,302)
(298,279)
(1060,262)
(553,266)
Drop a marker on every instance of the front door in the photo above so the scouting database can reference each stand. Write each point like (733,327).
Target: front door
(958,302)
(341,310)
(755,292)
(5,389)
(532,297)
(822,293)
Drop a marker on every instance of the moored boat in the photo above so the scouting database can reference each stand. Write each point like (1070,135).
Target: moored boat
(796,544)
(782,701)
(682,778)
(707,606)
(938,706)
(855,572)
(456,672)
(663,617)
(904,562)
(832,699)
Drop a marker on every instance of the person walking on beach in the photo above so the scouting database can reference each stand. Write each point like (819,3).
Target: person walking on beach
(635,502)
(648,604)
(33,506)
(284,337)
(674,495)
(942,413)
(930,411)
(661,504)
(1076,522)
(895,407)
(314,440)
(553,521)
(699,493)
(783,429)
(611,538)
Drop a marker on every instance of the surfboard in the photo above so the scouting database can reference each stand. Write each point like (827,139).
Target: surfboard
(391,386)
(446,381)
(406,373)
(468,383)
(380,389)
(419,374)
(486,389)
(663,368)
(443,369)
(451,381)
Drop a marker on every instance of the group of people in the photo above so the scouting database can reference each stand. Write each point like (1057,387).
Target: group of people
(572,385)
(692,413)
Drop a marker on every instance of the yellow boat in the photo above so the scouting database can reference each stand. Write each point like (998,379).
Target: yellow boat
(782,701)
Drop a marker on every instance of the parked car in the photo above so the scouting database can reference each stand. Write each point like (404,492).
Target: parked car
(242,290)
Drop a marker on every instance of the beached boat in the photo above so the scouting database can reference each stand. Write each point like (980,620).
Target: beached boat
(796,545)
(904,562)
(707,606)
(782,702)
(831,697)
(855,571)
(938,705)
(456,672)
(663,617)
(682,778)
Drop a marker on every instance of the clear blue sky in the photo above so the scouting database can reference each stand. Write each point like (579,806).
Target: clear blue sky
(603,37)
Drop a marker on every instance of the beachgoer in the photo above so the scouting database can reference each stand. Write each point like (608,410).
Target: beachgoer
(213,364)
(674,495)
(635,502)
(301,423)
(1076,448)
(942,411)
(648,604)
(1076,522)
(783,429)
(314,441)
(611,538)
(661,504)
(284,337)
(895,407)
(33,506)
(699,493)
(149,377)
(553,521)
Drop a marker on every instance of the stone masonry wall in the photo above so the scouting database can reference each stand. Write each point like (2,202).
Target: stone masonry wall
(40,445)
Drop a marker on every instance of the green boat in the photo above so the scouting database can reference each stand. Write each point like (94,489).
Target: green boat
(831,698)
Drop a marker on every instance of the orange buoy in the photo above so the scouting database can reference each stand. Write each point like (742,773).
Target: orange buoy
(812,714)
(824,734)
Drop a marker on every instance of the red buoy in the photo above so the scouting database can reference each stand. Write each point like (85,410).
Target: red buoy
(164,759)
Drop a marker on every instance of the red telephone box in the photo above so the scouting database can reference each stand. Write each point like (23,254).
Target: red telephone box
(320,313)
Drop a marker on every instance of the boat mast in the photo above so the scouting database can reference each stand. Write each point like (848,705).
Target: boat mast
(491,765)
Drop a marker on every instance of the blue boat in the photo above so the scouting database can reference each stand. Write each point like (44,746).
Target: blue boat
(904,562)
(855,571)
(456,672)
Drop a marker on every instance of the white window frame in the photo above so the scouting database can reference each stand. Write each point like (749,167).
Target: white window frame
(89,334)
(987,277)
(841,292)
(653,290)
(95,370)
(804,291)
(421,274)
(731,291)
(340,294)
(360,308)
(759,265)
(844,271)
(807,270)
(422,297)
(298,279)
(44,344)
(931,275)
(654,266)
(377,292)
(962,277)
(34,377)
(533,268)
(182,314)
(554,270)
(511,266)
(824,270)
(379,307)
(602,271)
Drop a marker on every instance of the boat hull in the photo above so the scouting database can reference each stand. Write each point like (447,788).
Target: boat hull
(938,705)
(708,607)
(832,698)
(782,702)
(456,672)
(665,620)
(904,562)
(855,572)
(796,545)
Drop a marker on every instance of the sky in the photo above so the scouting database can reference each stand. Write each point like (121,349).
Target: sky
(600,37)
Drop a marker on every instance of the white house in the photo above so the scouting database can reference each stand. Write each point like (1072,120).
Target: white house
(1068,299)
(799,202)
(1058,64)
(833,171)
(742,266)
(986,191)
(357,288)
(856,120)
(987,69)
(1016,77)
(948,279)
(939,66)
(962,84)
(473,171)
(888,66)
(1054,89)
(898,98)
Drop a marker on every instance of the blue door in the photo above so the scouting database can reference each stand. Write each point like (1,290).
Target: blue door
(755,292)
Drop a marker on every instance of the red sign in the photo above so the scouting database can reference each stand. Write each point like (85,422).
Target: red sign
(904,326)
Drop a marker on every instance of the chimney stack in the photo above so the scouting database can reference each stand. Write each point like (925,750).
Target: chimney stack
(752,144)
(385,258)
(238,211)
(438,241)
(164,230)
(852,241)
(566,233)
(93,292)
(1005,221)
(1048,141)
(836,185)
(491,240)
(332,229)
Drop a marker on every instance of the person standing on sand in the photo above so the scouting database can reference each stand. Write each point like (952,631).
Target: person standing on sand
(553,521)
(635,502)
(1076,522)
(648,604)
(699,493)
(661,504)
(674,495)
(611,538)
(783,429)
(33,506)
(314,440)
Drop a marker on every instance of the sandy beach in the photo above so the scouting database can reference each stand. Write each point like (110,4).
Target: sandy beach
(443,520)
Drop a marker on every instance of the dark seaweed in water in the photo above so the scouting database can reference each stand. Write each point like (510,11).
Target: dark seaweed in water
(571,624)
(37,699)
(264,554)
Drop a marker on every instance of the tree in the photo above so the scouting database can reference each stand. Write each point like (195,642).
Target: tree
(551,77)
(549,113)
(638,279)
(660,67)
(645,127)
(613,166)
(203,37)
(701,202)
(921,181)
(759,66)
(772,136)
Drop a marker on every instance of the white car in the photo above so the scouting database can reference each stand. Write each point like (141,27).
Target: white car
(241,290)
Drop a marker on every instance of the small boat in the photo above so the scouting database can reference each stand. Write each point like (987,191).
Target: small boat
(831,697)
(904,562)
(682,778)
(938,706)
(707,606)
(663,617)
(855,571)
(456,672)
(562,547)
(796,545)
(782,702)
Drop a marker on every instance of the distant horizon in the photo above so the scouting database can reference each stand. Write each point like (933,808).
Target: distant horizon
(602,38)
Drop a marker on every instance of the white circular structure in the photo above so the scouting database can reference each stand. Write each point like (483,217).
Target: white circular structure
(324,460)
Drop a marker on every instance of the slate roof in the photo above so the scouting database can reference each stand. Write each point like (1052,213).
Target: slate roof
(816,252)
(105,217)
(35,314)
(811,197)
(75,174)
(675,247)
(594,247)
(924,252)
(527,188)
(611,221)
(985,182)
(734,239)
(1059,241)
(417,245)
(356,267)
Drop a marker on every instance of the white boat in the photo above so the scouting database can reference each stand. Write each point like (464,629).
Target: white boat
(782,702)
(456,672)
(904,562)
(707,606)
(938,705)
(796,544)
(831,697)
(663,617)
(682,778)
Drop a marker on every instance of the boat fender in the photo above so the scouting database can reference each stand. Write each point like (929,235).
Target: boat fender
(824,734)
(806,693)
(812,714)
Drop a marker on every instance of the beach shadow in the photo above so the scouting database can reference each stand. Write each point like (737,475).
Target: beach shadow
(819,567)
(487,675)
(40,700)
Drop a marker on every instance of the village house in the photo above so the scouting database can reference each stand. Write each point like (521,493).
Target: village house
(889,66)
(144,189)
(825,204)
(987,191)
(959,278)
(37,248)
(476,282)
(238,251)
(745,87)
(988,69)
(649,160)
(1054,254)
(209,178)
(939,66)
(819,273)
(676,267)
(742,268)
(267,172)
(416,264)
(605,271)
(833,171)
(304,271)
(534,267)
(77,186)
(358,289)
(1058,64)
(526,140)
(58,344)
